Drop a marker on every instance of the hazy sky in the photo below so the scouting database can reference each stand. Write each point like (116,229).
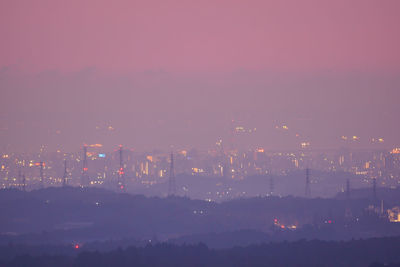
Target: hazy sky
(164,73)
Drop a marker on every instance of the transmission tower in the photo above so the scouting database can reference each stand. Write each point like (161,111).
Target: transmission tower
(23,183)
(65,173)
(374,188)
(171,184)
(348,188)
(41,164)
(84,176)
(271,186)
(19,175)
(121,172)
(308,190)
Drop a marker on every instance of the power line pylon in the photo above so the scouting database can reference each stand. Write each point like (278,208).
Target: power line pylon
(19,175)
(41,164)
(348,188)
(308,189)
(65,173)
(271,186)
(23,183)
(171,183)
(84,176)
(121,171)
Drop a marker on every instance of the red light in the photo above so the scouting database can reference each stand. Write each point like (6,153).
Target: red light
(282,226)
(329,221)
(122,187)
(85,169)
(76,246)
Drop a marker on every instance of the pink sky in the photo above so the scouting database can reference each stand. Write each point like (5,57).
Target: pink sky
(176,72)
(202,35)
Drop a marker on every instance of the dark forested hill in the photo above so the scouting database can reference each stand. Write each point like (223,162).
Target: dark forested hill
(371,252)
(65,215)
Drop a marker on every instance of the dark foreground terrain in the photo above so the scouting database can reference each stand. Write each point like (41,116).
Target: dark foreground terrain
(95,227)
(371,252)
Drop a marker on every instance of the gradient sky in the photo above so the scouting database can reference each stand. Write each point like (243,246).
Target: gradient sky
(171,72)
